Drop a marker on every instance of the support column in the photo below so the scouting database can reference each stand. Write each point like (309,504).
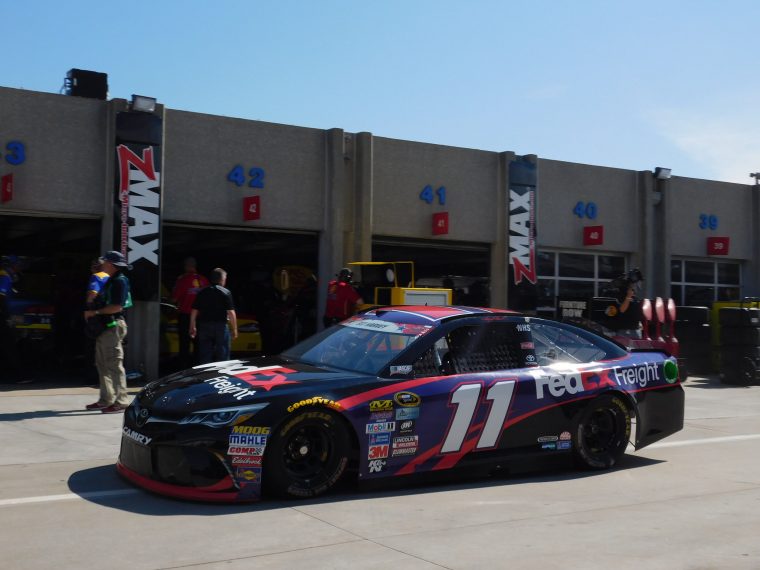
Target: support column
(500,244)
(751,277)
(332,240)
(363,197)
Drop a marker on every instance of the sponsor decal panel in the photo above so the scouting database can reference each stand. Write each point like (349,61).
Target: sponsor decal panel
(245,450)
(377,465)
(407,413)
(247,460)
(406,426)
(381,416)
(405,451)
(549,446)
(405,441)
(545,438)
(315,401)
(407,399)
(379,427)
(380,439)
(249,474)
(377,451)
(565,436)
(252,430)
(636,375)
(380,405)
(241,439)
(224,385)
(564,445)
(405,369)
(137,437)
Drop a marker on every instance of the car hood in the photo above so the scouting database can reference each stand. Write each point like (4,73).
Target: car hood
(237,383)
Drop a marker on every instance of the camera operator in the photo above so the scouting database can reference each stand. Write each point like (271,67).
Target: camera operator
(624,318)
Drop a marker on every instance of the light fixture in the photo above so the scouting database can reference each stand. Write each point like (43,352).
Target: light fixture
(143,104)
(661,173)
(756,176)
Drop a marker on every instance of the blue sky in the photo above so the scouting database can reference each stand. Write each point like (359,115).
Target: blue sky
(623,84)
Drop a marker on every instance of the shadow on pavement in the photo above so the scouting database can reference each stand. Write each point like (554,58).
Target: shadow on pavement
(40,414)
(103,486)
(711,383)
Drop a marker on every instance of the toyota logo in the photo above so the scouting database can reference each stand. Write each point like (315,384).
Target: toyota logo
(142,417)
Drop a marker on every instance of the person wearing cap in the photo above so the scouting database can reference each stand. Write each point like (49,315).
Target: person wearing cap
(184,293)
(212,309)
(342,298)
(113,300)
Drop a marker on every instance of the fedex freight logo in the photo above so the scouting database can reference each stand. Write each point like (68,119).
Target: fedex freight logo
(522,235)
(561,384)
(139,194)
(265,377)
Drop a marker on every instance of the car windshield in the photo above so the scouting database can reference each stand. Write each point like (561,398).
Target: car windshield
(360,344)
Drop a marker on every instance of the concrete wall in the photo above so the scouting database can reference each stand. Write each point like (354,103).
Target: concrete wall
(200,150)
(402,169)
(66,151)
(731,203)
(614,191)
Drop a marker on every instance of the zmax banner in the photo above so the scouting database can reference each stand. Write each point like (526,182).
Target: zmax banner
(137,226)
(522,212)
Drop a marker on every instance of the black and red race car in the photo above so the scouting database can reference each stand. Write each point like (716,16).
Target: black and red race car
(394,392)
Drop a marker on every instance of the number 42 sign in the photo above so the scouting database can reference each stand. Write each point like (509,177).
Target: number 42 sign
(251,208)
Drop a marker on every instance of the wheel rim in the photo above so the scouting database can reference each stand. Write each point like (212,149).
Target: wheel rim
(307,452)
(601,432)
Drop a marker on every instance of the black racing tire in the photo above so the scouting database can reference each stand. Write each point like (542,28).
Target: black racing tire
(742,372)
(601,432)
(307,455)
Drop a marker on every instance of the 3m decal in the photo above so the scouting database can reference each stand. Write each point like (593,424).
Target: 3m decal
(378,451)
(135,436)
(466,398)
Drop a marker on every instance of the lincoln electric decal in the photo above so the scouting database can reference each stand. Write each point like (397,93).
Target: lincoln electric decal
(522,234)
(140,209)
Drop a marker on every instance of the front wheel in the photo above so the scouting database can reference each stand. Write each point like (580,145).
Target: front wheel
(308,454)
(602,432)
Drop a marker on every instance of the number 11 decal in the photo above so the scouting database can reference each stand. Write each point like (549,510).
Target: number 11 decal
(466,397)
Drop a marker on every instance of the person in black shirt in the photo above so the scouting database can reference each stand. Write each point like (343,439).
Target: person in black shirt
(212,308)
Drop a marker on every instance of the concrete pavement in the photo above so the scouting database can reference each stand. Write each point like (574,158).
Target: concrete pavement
(690,501)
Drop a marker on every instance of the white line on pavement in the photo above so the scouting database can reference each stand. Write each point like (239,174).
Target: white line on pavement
(67,497)
(725,439)
(122,492)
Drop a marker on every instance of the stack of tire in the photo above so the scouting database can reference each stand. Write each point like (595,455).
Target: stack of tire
(739,345)
(694,335)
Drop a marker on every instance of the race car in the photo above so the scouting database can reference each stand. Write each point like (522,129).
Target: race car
(393,392)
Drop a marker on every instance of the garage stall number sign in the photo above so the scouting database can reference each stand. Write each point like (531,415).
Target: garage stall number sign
(256,177)
(15,155)
(428,196)
(585,210)
(708,222)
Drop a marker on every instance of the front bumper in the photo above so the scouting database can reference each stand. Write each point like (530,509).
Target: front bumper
(183,472)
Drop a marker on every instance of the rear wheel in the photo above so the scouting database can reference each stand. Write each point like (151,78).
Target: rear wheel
(308,454)
(602,432)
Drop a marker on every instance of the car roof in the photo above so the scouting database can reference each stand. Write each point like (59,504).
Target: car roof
(424,314)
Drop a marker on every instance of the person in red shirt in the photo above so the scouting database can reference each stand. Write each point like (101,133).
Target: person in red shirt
(342,298)
(184,292)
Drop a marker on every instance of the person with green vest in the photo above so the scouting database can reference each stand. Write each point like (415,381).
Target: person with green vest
(112,302)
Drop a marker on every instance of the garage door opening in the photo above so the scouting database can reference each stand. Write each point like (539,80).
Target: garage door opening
(271,275)
(54,256)
(463,267)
